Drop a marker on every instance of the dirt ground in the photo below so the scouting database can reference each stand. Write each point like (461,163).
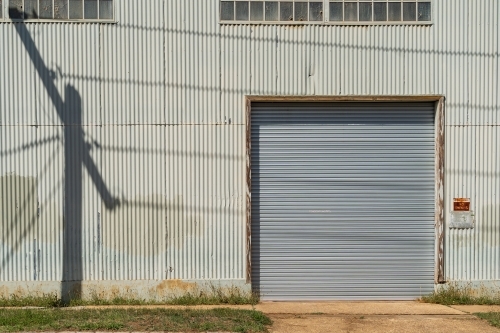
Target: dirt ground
(325,323)
(374,317)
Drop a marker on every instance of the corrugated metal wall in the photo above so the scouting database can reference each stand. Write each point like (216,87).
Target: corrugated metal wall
(161,97)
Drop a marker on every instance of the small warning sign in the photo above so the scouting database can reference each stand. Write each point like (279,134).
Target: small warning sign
(461,204)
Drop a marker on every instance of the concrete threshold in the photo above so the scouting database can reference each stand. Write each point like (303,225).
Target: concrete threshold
(357,308)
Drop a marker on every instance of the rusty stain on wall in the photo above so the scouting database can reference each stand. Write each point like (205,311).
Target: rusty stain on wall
(4,292)
(249,191)
(167,287)
(439,223)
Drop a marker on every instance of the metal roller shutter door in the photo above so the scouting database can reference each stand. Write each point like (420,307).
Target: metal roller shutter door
(342,200)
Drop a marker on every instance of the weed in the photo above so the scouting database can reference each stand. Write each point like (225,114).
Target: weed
(215,295)
(48,300)
(492,317)
(94,300)
(455,295)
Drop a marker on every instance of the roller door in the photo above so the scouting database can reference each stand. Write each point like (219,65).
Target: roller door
(342,200)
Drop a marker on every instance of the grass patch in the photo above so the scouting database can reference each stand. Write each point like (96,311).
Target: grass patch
(454,295)
(226,320)
(492,317)
(113,301)
(232,296)
(47,301)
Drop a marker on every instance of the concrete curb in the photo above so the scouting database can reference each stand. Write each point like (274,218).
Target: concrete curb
(357,308)
(476,308)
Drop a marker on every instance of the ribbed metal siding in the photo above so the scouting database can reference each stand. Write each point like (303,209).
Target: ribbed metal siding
(343,201)
(172,63)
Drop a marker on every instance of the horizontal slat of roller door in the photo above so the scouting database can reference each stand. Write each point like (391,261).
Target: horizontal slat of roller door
(342,200)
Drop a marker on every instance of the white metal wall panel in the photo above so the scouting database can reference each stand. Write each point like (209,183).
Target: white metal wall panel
(172,221)
(132,233)
(473,173)
(343,200)
(51,197)
(460,182)
(82,178)
(206,214)
(295,50)
(423,63)
(450,50)
(192,59)
(17,91)
(65,72)
(19,230)
(236,71)
(93,187)
(331,78)
(132,54)
(264,60)
(487,207)
(483,50)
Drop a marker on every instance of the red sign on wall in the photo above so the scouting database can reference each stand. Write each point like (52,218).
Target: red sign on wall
(461,204)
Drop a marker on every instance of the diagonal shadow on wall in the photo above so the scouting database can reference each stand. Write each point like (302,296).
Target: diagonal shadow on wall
(76,157)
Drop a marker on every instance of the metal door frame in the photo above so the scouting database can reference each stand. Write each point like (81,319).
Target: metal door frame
(439,121)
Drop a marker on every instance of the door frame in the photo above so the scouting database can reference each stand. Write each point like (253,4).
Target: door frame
(439,122)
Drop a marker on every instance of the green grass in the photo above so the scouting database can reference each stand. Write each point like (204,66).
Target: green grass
(57,319)
(114,301)
(231,296)
(492,317)
(454,295)
(49,301)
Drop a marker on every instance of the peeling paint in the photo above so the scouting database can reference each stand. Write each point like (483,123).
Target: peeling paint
(248,225)
(169,287)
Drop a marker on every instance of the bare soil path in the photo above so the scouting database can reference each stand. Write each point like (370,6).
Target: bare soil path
(373,317)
